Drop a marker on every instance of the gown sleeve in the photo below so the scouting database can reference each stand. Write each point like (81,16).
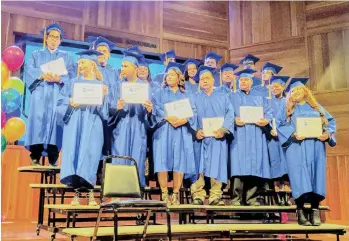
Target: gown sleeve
(229,116)
(285,129)
(330,128)
(32,72)
(71,68)
(64,110)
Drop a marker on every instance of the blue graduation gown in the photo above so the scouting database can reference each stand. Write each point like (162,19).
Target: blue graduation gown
(129,125)
(306,160)
(110,79)
(249,149)
(261,90)
(82,137)
(217,79)
(172,147)
(191,88)
(278,166)
(213,153)
(225,88)
(159,78)
(42,125)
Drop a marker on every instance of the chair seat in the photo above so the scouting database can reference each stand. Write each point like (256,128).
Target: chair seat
(139,203)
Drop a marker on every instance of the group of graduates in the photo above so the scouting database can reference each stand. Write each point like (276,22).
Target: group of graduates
(248,154)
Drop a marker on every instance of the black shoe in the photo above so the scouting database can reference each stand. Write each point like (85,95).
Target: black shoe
(197,201)
(315,219)
(217,202)
(52,161)
(302,220)
(35,163)
(53,164)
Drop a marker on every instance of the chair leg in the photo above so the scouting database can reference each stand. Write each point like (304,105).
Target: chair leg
(146,225)
(169,233)
(97,225)
(116,219)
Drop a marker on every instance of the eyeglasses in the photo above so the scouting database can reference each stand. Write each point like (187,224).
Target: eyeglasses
(54,37)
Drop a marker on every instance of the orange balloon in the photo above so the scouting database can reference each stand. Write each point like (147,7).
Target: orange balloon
(5,74)
(14,129)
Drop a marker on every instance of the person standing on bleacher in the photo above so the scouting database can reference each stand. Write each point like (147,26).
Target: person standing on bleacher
(43,133)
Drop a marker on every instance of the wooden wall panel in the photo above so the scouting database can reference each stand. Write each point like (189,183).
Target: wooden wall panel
(5,25)
(326,16)
(200,20)
(193,50)
(328,55)
(261,22)
(133,17)
(290,54)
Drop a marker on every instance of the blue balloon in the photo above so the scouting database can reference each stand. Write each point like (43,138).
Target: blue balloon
(10,100)
(16,113)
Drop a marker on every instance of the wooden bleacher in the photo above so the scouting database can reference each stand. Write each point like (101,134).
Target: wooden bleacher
(204,230)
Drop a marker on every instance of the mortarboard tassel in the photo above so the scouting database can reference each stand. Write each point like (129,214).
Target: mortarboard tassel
(220,77)
(44,42)
(269,89)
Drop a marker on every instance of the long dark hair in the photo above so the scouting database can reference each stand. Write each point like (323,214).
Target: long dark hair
(181,84)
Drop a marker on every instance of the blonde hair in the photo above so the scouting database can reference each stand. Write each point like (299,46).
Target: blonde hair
(181,84)
(310,99)
(98,73)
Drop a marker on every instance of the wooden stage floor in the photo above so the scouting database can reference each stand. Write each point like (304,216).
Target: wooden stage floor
(20,230)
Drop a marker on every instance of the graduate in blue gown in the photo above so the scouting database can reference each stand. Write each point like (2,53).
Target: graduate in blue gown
(249,159)
(305,157)
(173,136)
(277,159)
(249,62)
(110,78)
(213,150)
(268,71)
(211,59)
(228,78)
(129,122)
(191,67)
(169,56)
(42,129)
(82,129)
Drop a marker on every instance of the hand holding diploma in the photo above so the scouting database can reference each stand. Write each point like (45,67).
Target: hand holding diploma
(200,134)
(298,138)
(239,122)
(73,104)
(262,122)
(324,136)
(218,134)
(273,133)
(148,105)
(120,104)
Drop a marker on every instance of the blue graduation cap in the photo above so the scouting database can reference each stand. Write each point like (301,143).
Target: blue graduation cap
(249,59)
(144,62)
(89,54)
(228,67)
(272,67)
(169,54)
(203,69)
(98,41)
(53,26)
(134,48)
(132,57)
(213,55)
(296,82)
(279,79)
(191,61)
(174,65)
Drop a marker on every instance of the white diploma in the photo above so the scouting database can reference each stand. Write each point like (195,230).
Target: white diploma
(210,125)
(180,109)
(274,126)
(55,66)
(309,127)
(251,114)
(135,93)
(88,94)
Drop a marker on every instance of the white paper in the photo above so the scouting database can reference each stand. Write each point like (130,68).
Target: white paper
(88,94)
(274,125)
(309,127)
(251,114)
(210,125)
(180,109)
(55,66)
(135,93)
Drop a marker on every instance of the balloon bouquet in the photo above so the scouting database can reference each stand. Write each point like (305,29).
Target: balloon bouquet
(12,126)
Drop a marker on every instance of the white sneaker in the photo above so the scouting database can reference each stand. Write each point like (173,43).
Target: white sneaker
(91,199)
(76,199)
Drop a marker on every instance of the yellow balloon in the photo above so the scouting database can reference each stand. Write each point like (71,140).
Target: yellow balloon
(5,74)
(14,129)
(14,83)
